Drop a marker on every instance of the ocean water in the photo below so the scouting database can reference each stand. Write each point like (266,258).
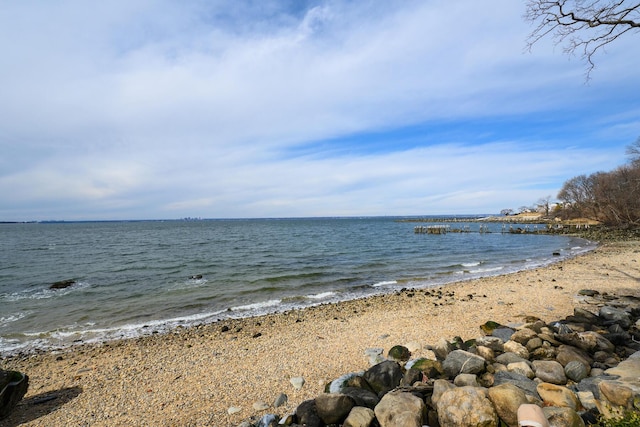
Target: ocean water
(136,278)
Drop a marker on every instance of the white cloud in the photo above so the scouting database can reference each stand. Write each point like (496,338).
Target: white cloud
(142,109)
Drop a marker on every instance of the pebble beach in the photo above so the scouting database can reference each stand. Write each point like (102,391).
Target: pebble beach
(222,373)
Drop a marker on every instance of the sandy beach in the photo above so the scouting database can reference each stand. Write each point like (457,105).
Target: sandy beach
(191,377)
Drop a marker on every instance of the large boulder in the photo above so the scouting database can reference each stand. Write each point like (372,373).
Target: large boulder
(333,408)
(463,362)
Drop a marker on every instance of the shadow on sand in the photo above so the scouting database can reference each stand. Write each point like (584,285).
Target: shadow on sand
(34,407)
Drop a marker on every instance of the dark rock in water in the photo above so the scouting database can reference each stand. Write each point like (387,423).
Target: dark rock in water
(384,376)
(62,284)
(196,277)
(13,386)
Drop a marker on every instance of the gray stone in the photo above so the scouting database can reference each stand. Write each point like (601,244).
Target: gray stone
(576,371)
(260,406)
(13,387)
(507,358)
(463,362)
(550,371)
(297,382)
(399,353)
(333,408)
(528,386)
(466,407)
(280,400)
(442,349)
(359,417)
(439,388)
(522,368)
(384,376)
(503,333)
(400,409)
(615,315)
(268,420)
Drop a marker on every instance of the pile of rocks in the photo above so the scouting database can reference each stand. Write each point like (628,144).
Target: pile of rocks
(576,369)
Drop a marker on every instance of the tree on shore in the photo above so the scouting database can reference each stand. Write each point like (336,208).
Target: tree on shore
(612,198)
(583,26)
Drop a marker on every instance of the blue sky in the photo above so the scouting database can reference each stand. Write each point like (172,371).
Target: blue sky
(219,109)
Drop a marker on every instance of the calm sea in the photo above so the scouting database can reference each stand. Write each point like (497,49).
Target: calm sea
(134,278)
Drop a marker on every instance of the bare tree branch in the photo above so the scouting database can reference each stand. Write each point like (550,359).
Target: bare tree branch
(584,26)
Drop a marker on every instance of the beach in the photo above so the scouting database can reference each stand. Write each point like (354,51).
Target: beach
(193,376)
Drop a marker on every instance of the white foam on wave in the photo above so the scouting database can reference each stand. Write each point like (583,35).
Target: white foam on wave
(43,293)
(258,305)
(322,295)
(4,320)
(385,283)
(471,264)
(486,270)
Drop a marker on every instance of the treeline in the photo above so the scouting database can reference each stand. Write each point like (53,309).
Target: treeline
(613,198)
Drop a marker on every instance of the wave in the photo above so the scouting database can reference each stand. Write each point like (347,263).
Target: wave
(35,294)
(470,264)
(385,283)
(487,270)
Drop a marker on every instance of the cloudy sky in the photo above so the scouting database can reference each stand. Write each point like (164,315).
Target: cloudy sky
(267,108)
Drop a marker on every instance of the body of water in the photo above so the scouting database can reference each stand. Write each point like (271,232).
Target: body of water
(134,278)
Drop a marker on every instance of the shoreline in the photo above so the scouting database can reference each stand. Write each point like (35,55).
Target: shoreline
(47,342)
(192,376)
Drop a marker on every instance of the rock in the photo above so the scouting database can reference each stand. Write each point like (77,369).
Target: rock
(442,349)
(588,292)
(333,408)
(260,406)
(563,417)
(374,355)
(567,353)
(522,368)
(399,353)
(463,362)
(490,326)
(297,382)
(503,333)
(494,343)
(523,336)
(615,315)
(307,414)
(430,368)
(439,388)
(233,410)
(528,386)
(268,420)
(384,376)
(400,409)
(507,358)
(62,284)
(411,377)
(13,387)
(280,400)
(506,398)
(362,397)
(517,348)
(359,417)
(550,371)
(346,380)
(576,371)
(555,395)
(466,380)
(617,393)
(486,353)
(466,407)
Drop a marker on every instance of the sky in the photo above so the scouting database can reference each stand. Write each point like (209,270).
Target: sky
(262,108)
